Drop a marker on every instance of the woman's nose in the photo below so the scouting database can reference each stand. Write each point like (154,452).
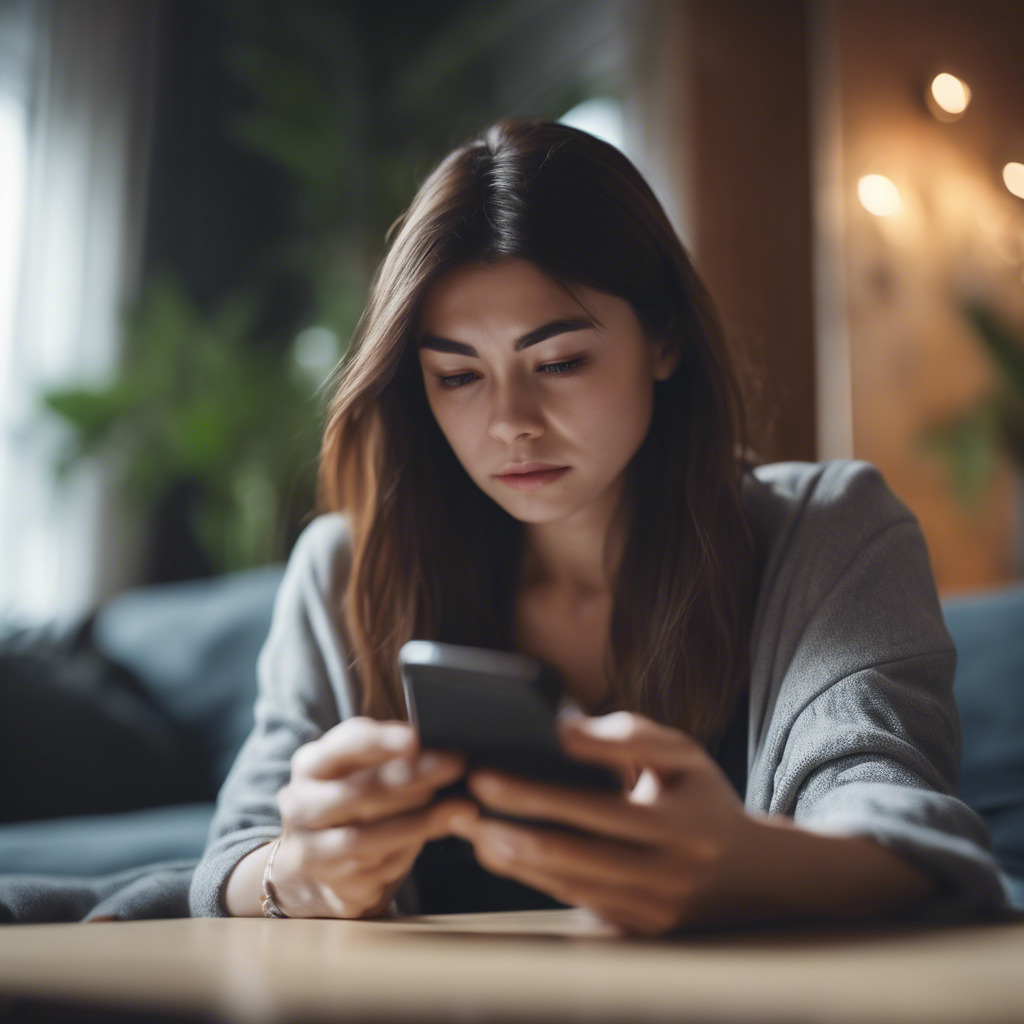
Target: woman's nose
(514,417)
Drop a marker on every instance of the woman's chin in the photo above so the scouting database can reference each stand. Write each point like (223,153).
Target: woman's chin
(536,509)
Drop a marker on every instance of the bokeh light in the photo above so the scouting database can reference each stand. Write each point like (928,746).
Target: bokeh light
(878,195)
(950,97)
(1013,178)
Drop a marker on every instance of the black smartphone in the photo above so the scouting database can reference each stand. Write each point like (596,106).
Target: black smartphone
(497,708)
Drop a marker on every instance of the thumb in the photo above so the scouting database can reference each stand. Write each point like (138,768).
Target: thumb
(625,737)
(358,742)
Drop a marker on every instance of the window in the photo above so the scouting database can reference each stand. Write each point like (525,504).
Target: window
(74,98)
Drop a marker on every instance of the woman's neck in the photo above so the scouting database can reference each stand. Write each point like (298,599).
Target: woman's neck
(578,556)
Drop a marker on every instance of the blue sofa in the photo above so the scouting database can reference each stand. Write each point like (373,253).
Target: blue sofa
(194,647)
(988,630)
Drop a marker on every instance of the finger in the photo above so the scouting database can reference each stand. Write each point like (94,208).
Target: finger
(356,886)
(355,743)
(360,891)
(380,873)
(602,813)
(589,858)
(638,911)
(351,867)
(623,737)
(369,793)
(375,841)
(398,865)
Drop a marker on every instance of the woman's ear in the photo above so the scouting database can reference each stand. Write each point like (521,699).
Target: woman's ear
(664,358)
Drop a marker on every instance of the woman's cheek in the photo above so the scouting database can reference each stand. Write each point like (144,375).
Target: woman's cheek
(466,432)
(447,415)
(614,421)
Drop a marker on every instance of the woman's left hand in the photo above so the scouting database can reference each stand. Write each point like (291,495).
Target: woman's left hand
(648,860)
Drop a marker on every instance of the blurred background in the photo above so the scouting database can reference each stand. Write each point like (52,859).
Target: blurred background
(194,194)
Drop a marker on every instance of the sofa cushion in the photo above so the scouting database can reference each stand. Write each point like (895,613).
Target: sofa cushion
(194,647)
(104,843)
(78,735)
(988,630)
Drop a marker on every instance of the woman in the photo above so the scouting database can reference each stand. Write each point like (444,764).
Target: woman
(533,446)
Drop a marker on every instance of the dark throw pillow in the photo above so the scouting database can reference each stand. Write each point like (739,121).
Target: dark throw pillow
(78,735)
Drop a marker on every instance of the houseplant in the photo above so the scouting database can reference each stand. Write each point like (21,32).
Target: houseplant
(971,439)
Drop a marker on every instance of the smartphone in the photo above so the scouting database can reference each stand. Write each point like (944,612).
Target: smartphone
(497,708)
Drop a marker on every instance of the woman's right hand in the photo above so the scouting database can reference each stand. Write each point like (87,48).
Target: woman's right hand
(355,816)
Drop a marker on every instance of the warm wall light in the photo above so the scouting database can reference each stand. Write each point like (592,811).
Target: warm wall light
(948,97)
(878,195)
(1013,178)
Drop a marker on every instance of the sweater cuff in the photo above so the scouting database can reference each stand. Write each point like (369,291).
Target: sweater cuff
(211,874)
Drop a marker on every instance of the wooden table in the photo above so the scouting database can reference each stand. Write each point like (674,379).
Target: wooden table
(528,966)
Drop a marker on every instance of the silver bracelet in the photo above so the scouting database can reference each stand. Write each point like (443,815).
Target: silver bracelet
(269,903)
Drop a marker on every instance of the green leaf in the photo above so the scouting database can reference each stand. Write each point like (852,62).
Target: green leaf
(967,442)
(1005,348)
(93,413)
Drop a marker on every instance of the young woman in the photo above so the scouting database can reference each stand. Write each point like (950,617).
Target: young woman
(534,445)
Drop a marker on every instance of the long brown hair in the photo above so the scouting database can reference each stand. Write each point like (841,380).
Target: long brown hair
(433,557)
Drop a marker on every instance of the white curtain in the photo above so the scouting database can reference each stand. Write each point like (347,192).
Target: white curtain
(76,88)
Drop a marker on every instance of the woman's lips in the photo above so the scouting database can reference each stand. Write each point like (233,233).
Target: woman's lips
(531,481)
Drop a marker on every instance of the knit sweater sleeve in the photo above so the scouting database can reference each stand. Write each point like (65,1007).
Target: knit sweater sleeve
(303,688)
(859,732)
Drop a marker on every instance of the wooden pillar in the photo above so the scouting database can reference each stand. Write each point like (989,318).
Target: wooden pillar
(746,128)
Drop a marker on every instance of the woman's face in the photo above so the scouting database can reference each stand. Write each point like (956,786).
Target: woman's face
(543,402)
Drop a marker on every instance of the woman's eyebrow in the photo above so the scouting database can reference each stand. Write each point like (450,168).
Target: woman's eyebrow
(538,334)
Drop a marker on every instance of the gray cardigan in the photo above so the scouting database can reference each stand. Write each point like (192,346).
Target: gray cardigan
(853,727)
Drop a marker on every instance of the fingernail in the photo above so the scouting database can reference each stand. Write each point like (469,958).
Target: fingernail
(395,739)
(461,822)
(427,763)
(396,773)
(498,840)
(486,785)
(615,726)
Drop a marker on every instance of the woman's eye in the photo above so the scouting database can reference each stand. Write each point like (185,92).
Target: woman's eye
(457,380)
(564,367)
(460,380)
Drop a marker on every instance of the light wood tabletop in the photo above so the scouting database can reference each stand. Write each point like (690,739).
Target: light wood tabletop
(561,965)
